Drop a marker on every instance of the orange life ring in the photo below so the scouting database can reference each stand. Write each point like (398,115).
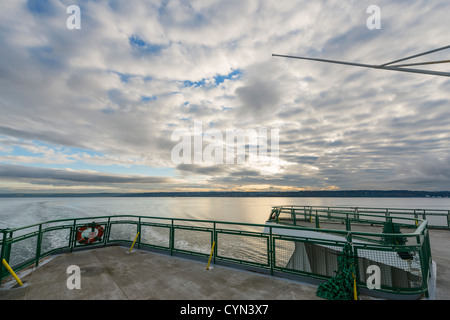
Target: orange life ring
(88,237)
(273,215)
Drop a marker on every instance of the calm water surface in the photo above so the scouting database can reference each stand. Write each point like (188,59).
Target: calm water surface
(20,212)
(16,212)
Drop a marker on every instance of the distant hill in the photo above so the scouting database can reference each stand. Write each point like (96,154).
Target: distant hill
(319,193)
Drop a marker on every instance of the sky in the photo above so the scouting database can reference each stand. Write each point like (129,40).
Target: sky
(108,106)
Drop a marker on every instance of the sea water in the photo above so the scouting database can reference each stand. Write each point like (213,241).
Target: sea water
(20,212)
(16,212)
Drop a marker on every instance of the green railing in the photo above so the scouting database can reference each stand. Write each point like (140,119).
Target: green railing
(272,248)
(437,218)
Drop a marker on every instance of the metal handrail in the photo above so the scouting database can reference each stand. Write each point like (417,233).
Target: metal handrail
(269,234)
(396,213)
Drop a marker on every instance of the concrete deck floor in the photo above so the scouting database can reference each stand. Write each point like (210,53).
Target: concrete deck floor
(111,273)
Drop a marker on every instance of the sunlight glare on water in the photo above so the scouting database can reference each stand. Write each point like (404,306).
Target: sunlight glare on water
(16,212)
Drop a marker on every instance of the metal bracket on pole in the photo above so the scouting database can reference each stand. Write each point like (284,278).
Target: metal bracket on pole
(389,65)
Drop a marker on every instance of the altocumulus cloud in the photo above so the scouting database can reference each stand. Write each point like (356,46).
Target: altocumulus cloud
(96,107)
(71,177)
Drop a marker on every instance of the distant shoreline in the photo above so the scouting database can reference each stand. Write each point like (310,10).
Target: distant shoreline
(287,194)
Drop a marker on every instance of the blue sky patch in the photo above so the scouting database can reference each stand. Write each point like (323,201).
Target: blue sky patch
(217,80)
(123,76)
(145,47)
(235,74)
(43,7)
(148,98)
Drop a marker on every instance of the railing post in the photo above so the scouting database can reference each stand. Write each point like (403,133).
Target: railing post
(8,251)
(139,233)
(448,219)
(317,220)
(214,240)
(38,245)
(415,217)
(355,257)
(347,223)
(171,240)
(73,235)
(271,250)
(3,252)
(425,259)
(108,231)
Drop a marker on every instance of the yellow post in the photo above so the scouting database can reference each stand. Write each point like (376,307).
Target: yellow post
(12,272)
(134,242)
(210,255)
(355,293)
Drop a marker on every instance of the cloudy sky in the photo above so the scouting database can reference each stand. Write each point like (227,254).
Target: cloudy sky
(97,109)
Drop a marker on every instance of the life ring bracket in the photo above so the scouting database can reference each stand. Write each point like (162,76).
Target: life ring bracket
(90,233)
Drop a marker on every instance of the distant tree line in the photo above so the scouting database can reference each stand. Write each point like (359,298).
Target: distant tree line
(312,193)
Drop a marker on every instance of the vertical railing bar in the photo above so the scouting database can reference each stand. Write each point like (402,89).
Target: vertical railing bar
(355,254)
(448,219)
(38,245)
(317,220)
(139,231)
(347,223)
(214,240)
(72,235)
(8,251)
(424,268)
(272,251)
(172,235)
(3,252)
